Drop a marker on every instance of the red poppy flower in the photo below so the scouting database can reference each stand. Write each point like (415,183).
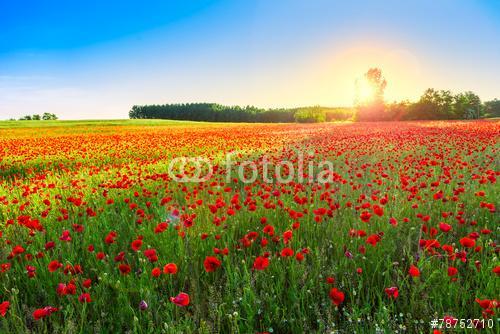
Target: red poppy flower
(264,242)
(151,255)
(496,270)
(31,271)
(392,292)
(452,271)
(110,238)
(65,236)
(170,268)
(136,245)
(365,216)
(379,211)
(336,296)
(17,250)
(120,257)
(84,298)
(413,271)
(44,312)
(66,289)
(269,229)
(161,227)
(467,242)
(444,227)
(87,283)
(61,289)
(156,272)
(287,235)
(211,263)
(260,263)
(182,299)
(54,265)
(286,252)
(485,303)
(124,269)
(373,239)
(4,307)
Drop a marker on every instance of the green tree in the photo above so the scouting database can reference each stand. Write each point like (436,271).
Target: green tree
(467,106)
(433,104)
(48,116)
(492,108)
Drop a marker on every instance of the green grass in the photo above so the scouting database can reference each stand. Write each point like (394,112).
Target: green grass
(91,123)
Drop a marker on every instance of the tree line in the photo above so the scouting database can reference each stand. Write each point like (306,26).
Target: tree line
(432,105)
(45,117)
(213,112)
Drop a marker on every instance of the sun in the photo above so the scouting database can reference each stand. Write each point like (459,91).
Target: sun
(365,91)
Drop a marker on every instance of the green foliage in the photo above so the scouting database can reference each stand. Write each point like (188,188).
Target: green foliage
(310,115)
(467,106)
(338,114)
(433,104)
(442,104)
(492,108)
(46,117)
(49,117)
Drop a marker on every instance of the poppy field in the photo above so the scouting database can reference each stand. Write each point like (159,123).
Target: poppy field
(100,233)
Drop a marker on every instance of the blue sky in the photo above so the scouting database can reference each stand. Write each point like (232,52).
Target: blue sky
(95,59)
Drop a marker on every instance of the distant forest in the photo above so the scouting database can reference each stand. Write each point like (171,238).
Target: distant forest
(213,112)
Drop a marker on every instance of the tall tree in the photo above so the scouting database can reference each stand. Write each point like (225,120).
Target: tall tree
(378,82)
(370,96)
